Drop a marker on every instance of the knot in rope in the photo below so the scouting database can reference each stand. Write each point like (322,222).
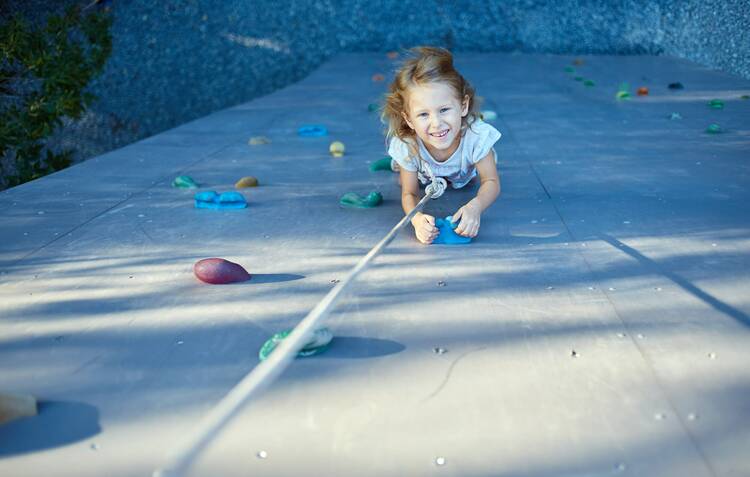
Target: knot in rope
(436,188)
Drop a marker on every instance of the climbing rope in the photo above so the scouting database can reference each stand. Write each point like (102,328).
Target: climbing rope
(266,371)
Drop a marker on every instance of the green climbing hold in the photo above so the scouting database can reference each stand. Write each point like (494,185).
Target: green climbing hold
(713,129)
(352,199)
(675,116)
(319,342)
(372,107)
(623,92)
(184,182)
(716,104)
(569,69)
(488,115)
(383,164)
(589,82)
(745,96)
(578,78)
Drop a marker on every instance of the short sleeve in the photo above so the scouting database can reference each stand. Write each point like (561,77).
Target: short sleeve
(486,137)
(399,151)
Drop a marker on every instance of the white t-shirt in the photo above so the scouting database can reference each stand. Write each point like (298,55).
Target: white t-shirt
(460,168)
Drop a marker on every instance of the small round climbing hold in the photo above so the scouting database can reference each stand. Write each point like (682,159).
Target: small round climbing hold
(184,182)
(675,116)
(378,77)
(569,69)
(318,343)
(312,130)
(245,182)
(578,78)
(219,271)
(488,115)
(676,85)
(713,129)
(372,107)
(337,148)
(588,82)
(258,140)
(716,104)
(352,199)
(392,55)
(578,61)
(642,91)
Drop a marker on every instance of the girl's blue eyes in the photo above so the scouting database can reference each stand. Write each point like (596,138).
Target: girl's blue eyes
(424,115)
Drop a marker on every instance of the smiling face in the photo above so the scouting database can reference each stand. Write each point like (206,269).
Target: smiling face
(435,114)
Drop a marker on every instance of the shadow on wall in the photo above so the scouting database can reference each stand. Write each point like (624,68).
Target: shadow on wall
(58,423)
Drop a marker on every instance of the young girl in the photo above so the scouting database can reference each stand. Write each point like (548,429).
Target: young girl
(435,131)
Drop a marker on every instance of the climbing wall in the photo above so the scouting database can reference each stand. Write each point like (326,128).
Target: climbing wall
(598,325)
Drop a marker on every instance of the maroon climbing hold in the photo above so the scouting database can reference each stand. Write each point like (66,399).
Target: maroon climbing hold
(219,271)
(642,91)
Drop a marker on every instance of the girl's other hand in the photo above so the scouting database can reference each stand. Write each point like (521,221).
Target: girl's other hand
(470,216)
(424,228)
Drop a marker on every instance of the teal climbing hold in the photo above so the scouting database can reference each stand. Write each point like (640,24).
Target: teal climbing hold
(713,129)
(383,164)
(588,82)
(211,200)
(447,233)
(319,342)
(716,104)
(569,69)
(184,182)
(372,107)
(352,199)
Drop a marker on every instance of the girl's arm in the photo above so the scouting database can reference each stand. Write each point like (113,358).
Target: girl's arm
(424,225)
(470,214)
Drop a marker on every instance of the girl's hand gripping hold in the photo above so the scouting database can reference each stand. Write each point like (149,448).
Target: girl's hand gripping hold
(424,228)
(470,216)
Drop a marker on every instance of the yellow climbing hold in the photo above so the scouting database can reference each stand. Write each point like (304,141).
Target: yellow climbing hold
(258,140)
(245,182)
(337,148)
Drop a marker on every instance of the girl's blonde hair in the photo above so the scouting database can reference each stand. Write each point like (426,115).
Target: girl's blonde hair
(425,64)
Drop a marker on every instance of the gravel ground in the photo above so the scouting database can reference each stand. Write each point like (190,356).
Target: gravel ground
(174,61)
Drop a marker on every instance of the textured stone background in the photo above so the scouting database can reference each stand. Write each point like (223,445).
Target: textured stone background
(174,61)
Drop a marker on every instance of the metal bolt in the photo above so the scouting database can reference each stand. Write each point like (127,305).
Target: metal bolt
(438,350)
(441,283)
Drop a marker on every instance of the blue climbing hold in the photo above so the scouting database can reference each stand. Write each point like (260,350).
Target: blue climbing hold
(211,200)
(312,130)
(447,235)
